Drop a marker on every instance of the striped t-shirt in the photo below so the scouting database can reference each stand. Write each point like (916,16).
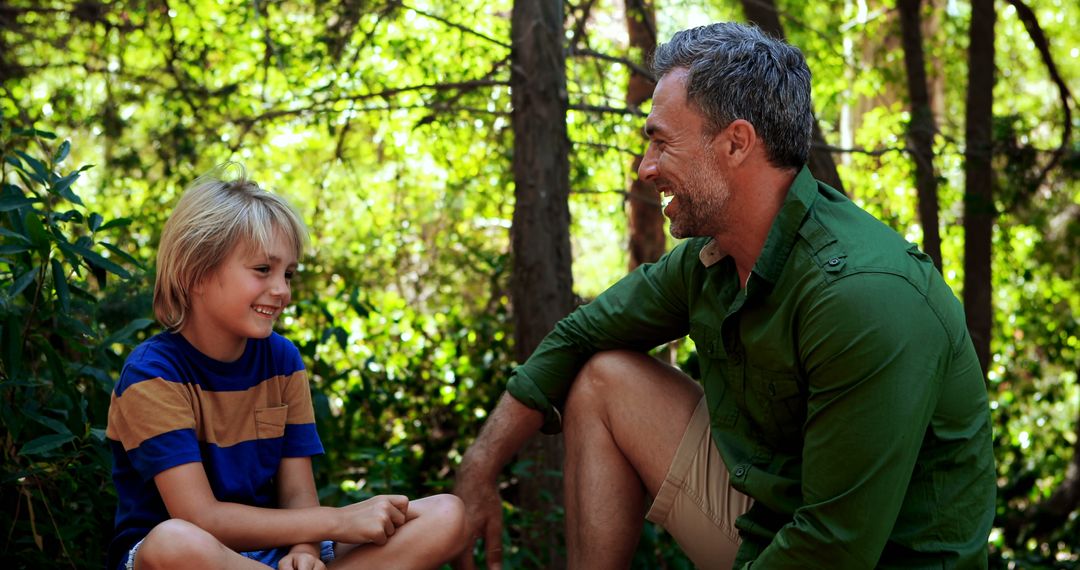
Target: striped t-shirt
(174,405)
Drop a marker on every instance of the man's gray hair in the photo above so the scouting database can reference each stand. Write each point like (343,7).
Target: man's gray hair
(738,72)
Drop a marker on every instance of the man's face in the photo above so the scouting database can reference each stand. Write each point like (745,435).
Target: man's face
(681,162)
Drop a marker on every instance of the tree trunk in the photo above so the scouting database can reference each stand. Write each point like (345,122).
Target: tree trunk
(541,281)
(764,14)
(647,240)
(979,210)
(922,127)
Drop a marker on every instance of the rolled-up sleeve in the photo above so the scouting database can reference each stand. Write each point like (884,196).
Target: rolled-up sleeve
(644,309)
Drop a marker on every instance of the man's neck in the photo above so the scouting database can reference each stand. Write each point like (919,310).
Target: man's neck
(755,203)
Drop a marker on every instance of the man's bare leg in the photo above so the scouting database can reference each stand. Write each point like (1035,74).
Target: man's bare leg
(623,420)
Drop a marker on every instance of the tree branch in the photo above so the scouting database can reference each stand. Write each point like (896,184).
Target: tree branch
(318,106)
(456,26)
(614,58)
(1031,22)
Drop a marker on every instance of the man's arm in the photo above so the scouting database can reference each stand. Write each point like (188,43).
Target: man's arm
(187,495)
(873,352)
(507,429)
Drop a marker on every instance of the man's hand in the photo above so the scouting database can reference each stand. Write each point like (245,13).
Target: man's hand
(374,520)
(483,518)
(301,561)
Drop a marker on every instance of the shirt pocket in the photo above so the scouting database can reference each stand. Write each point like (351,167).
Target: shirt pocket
(270,422)
(781,407)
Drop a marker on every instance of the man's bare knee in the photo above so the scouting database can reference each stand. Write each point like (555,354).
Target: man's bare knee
(599,378)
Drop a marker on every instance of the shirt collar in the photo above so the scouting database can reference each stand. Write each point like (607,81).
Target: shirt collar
(782,234)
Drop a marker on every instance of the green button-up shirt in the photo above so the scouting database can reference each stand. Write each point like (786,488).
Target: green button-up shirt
(843,389)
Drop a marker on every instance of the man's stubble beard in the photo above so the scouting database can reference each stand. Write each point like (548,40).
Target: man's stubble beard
(701,204)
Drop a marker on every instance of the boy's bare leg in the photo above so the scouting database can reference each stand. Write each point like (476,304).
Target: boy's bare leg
(433,534)
(624,418)
(179,545)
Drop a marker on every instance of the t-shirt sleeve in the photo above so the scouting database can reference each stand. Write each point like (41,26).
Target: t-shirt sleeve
(153,419)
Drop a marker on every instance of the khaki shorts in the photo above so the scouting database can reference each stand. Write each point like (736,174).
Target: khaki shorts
(696,503)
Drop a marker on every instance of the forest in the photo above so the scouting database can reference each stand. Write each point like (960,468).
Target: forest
(467,169)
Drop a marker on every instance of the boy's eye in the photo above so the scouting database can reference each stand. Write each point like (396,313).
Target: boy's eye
(289,275)
(262,268)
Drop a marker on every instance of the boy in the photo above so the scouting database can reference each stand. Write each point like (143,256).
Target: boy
(211,423)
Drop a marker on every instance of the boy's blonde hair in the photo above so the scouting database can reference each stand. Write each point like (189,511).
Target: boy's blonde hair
(215,215)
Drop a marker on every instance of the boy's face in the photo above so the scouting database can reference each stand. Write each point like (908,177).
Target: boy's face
(241,299)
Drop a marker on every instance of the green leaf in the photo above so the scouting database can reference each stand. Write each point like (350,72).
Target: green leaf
(13,248)
(122,254)
(13,341)
(53,424)
(42,174)
(69,216)
(94,259)
(63,294)
(117,223)
(23,281)
(34,133)
(124,334)
(62,187)
(36,230)
(13,161)
(45,444)
(8,203)
(15,236)
(62,152)
(95,221)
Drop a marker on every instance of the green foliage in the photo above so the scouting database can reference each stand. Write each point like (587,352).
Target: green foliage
(387,123)
(62,340)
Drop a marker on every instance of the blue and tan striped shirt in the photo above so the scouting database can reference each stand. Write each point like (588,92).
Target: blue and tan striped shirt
(174,405)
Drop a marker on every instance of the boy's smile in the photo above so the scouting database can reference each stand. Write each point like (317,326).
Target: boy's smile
(241,299)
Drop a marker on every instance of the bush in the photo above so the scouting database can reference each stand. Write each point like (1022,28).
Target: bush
(61,344)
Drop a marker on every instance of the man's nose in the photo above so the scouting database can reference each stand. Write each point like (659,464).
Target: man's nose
(647,170)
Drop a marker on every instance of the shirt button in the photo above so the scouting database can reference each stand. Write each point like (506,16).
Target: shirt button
(834,261)
(740,471)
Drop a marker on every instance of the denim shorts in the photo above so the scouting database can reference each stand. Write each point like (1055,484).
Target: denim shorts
(269,557)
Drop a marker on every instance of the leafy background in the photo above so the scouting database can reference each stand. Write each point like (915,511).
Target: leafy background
(388,124)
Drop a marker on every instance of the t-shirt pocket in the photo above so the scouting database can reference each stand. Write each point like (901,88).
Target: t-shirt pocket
(270,422)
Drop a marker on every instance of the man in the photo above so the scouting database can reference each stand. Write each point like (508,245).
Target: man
(841,420)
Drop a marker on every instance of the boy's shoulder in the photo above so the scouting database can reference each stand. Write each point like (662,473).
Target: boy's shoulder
(156,357)
(169,356)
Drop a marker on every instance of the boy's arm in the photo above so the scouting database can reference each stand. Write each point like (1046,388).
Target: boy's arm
(296,490)
(187,495)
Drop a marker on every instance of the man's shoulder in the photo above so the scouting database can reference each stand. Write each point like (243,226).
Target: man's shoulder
(844,241)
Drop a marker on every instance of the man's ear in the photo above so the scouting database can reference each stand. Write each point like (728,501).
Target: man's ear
(736,141)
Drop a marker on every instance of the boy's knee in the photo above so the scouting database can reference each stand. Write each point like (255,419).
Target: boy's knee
(450,512)
(177,543)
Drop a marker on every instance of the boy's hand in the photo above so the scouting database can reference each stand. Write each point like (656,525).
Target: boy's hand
(301,561)
(374,520)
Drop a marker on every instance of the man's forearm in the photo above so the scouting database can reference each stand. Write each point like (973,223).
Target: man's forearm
(507,429)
